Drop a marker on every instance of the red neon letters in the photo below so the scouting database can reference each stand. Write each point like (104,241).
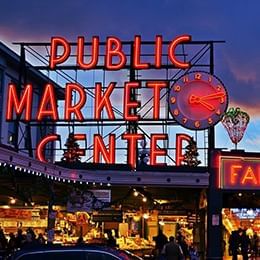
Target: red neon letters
(48,104)
(132,144)
(100,148)
(179,140)
(41,146)
(115,56)
(155,151)
(102,101)
(130,105)
(76,109)
(157,86)
(108,151)
(25,102)
(172,47)
(55,58)
(80,53)
(239,173)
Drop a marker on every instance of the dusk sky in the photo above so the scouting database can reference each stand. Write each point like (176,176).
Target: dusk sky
(236,22)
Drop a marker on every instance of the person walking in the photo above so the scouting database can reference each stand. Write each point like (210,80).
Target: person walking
(173,250)
(245,244)
(254,244)
(233,244)
(160,241)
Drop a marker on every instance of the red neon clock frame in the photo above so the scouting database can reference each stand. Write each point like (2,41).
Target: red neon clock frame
(198,100)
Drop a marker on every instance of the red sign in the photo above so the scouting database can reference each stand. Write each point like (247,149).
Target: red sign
(197,100)
(239,172)
(16,213)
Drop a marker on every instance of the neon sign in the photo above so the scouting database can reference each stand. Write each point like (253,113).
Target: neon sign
(239,172)
(114,51)
(19,103)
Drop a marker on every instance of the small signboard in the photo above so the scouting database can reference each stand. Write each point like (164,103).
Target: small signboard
(238,172)
(215,220)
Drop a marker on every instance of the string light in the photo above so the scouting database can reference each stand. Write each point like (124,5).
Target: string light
(52,177)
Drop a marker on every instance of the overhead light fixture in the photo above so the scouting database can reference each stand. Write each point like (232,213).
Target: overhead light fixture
(12,200)
(144,199)
(145,215)
(161,223)
(135,193)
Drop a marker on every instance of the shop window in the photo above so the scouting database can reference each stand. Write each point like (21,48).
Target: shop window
(12,126)
(12,133)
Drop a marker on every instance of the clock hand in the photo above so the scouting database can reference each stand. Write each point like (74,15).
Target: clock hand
(198,100)
(207,105)
(220,95)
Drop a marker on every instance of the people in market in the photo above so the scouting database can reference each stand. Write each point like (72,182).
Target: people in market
(80,240)
(3,240)
(244,243)
(172,250)
(254,244)
(11,243)
(160,241)
(180,239)
(233,244)
(40,239)
(111,241)
(20,238)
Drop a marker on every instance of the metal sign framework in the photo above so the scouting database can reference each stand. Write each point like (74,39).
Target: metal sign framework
(199,53)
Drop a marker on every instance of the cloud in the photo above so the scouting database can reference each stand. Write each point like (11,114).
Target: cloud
(237,61)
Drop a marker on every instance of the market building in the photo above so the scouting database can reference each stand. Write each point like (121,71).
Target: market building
(133,140)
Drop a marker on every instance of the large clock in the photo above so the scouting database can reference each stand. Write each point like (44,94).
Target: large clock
(198,100)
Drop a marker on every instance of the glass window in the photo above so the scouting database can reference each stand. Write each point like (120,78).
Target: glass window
(12,133)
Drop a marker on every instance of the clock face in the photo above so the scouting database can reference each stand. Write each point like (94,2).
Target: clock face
(198,100)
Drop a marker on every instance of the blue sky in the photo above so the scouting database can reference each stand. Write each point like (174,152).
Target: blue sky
(237,61)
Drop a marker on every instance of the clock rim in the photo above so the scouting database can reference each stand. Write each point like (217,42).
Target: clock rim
(203,120)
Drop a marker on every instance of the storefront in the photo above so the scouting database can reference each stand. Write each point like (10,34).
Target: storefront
(234,197)
(133,213)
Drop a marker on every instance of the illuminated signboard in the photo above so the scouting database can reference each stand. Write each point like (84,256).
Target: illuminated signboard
(239,172)
(197,101)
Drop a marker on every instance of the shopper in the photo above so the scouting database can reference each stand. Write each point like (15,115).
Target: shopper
(111,241)
(173,250)
(3,241)
(160,241)
(11,243)
(184,246)
(20,238)
(40,239)
(233,244)
(254,244)
(244,243)
(80,241)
